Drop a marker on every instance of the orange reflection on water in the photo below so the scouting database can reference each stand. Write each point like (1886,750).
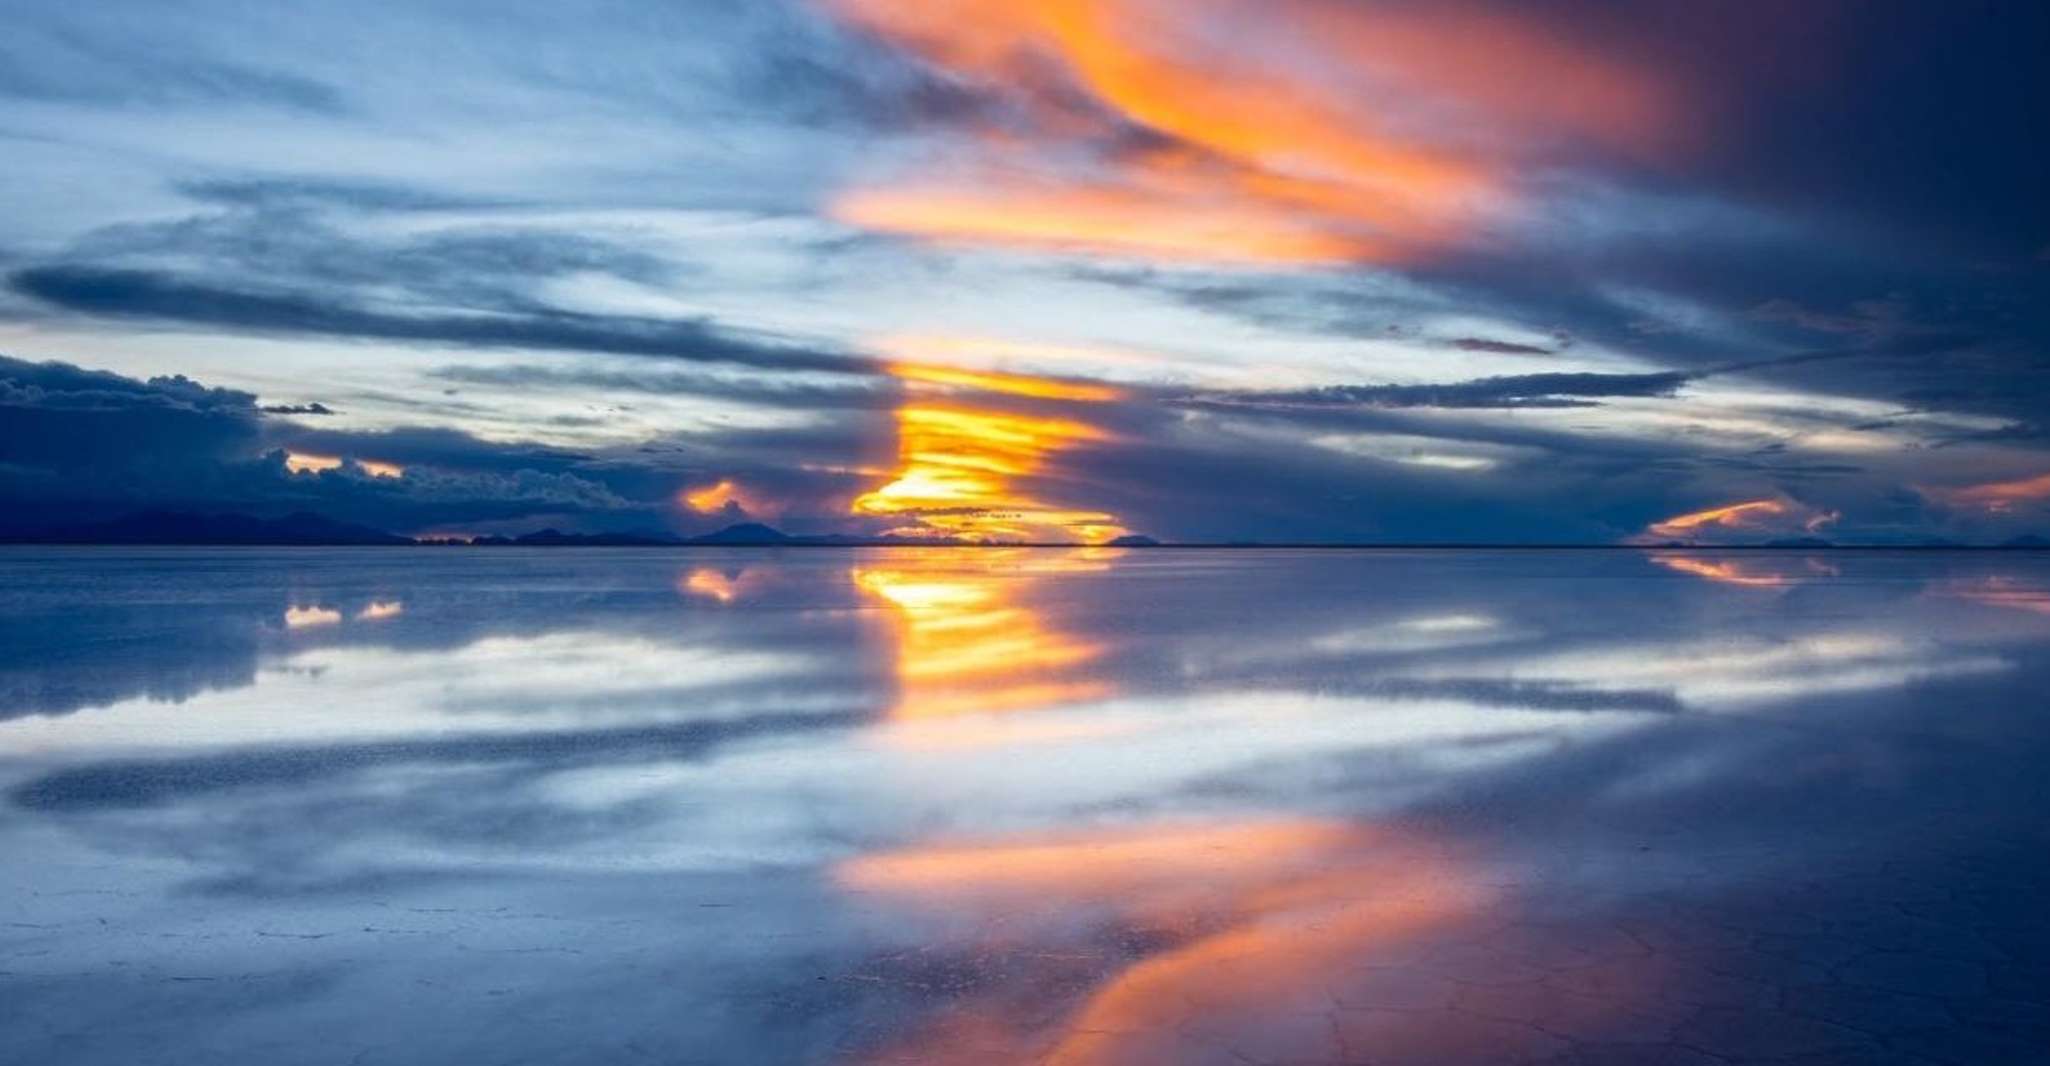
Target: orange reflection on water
(1258,921)
(1723,571)
(308,617)
(966,640)
(723,586)
(2001,590)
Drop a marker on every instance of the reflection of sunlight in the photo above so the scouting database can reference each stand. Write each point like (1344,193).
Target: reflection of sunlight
(304,617)
(1257,920)
(965,640)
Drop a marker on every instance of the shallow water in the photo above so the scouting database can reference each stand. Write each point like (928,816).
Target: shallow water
(980,806)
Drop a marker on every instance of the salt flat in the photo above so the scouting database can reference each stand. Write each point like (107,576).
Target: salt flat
(1066,806)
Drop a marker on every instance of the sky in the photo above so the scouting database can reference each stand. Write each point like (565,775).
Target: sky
(1552,271)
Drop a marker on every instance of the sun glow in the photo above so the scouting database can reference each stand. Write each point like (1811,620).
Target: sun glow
(960,467)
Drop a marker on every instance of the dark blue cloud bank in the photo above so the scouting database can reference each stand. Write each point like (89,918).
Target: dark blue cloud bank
(1313,270)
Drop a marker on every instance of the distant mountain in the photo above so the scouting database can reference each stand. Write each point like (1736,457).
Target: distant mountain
(1134,540)
(555,538)
(181,527)
(1799,542)
(2026,540)
(746,533)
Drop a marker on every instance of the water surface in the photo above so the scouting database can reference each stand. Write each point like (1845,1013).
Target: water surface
(981,806)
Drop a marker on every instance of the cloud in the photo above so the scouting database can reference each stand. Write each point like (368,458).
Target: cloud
(1517,390)
(154,296)
(80,445)
(1282,133)
(297,409)
(1495,347)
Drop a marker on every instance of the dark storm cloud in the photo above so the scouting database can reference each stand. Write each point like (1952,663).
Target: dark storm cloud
(79,445)
(151,296)
(297,409)
(58,417)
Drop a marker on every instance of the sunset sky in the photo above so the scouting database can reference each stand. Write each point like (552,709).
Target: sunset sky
(1208,270)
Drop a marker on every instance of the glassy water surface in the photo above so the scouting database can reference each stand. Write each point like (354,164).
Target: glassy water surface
(992,806)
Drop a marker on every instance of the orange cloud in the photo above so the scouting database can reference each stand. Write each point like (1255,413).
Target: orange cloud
(1773,515)
(713,498)
(1285,131)
(1735,515)
(1998,497)
(303,463)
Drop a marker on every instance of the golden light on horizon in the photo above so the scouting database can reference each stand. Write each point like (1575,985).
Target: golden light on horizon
(959,466)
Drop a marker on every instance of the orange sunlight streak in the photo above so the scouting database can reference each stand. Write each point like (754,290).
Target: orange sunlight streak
(958,467)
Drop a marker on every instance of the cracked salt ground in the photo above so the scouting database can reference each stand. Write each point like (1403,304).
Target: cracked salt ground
(1081,807)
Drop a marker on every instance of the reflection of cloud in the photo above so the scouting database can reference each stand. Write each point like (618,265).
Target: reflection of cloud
(1725,571)
(1253,922)
(2001,590)
(305,617)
